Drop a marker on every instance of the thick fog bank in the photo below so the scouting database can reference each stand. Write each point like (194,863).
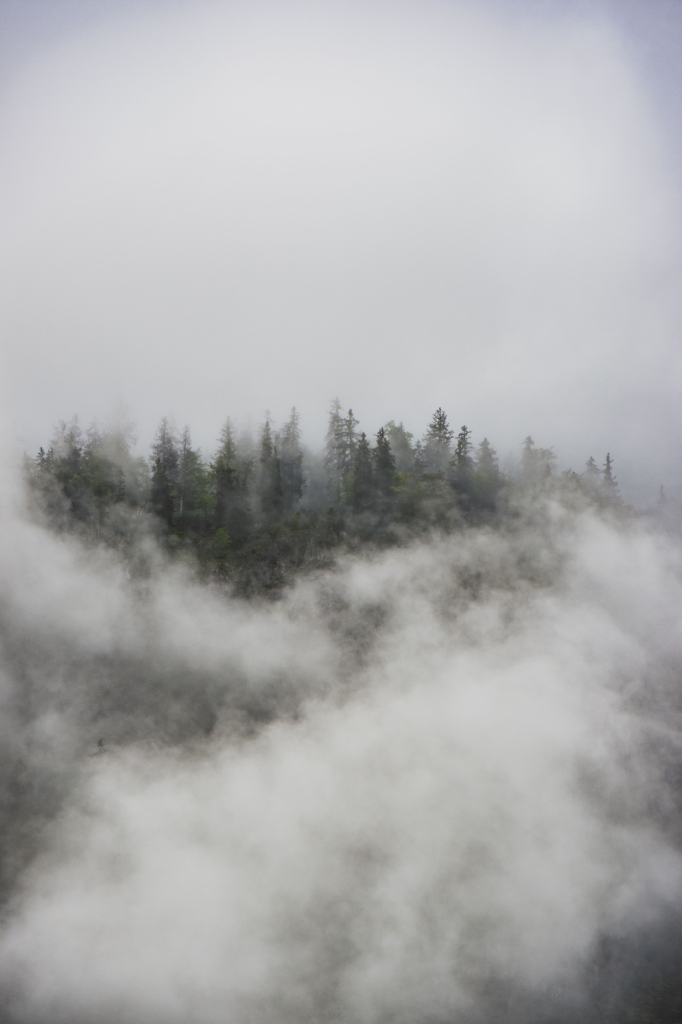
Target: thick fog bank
(214,208)
(436,785)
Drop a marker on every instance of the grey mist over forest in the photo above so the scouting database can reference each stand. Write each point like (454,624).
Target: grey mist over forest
(334,715)
(434,776)
(224,208)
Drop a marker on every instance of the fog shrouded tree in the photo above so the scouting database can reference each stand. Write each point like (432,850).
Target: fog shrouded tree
(591,470)
(419,458)
(165,462)
(537,464)
(269,483)
(591,478)
(400,441)
(362,476)
(384,463)
(608,479)
(236,515)
(333,448)
(487,478)
(88,478)
(191,485)
(67,449)
(437,441)
(100,476)
(291,463)
(339,457)
(225,469)
(115,445)
(462,460)
(230,480)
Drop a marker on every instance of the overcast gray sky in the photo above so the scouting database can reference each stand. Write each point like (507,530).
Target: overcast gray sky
(215,209)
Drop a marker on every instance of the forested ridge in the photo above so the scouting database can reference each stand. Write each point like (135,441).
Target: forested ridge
(260,510)
(519,605)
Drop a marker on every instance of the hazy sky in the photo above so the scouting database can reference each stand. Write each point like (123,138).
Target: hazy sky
(215,209)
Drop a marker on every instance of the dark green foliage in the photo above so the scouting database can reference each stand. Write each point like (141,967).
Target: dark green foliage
(230,477)
(221,544)
(291,464)
(362,489)
(257,520)
(384,463)
(419,458)
(165,462)
(462,461)
(192,482)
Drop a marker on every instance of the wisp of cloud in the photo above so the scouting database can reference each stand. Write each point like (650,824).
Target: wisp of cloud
(433,784)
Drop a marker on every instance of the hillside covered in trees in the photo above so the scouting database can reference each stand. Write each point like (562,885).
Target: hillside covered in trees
(260,510)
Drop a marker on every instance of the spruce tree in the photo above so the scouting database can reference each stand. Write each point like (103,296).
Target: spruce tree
(291,463)
(536,463)
(269,485)
(340,448)
(591,470)
(165,462)
(362,476)
(191,484)
(486,478)
(400,441)
(462,460)
(609,482)
(333,449)
(230,479)
(437,441)
(384,463)
(420,464)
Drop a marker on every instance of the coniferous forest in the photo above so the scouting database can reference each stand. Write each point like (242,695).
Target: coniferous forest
(524,573)
(261,510)
(502,545)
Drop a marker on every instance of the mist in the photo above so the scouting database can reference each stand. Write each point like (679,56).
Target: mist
(231,209)
(435,783)
(432,776)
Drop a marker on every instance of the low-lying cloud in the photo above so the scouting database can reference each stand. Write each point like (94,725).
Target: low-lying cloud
(433,784)
(216,210)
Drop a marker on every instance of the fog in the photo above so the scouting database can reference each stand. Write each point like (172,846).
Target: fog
(439,783)
(432,784)
(225,208)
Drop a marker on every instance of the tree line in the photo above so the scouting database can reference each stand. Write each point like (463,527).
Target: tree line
(259,509)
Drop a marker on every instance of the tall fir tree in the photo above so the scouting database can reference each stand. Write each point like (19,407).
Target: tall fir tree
(400,441)
(269,485)
(291,463)
(230,473)
(536,463)
(437,441)
(340,448)
(384,463)
(362,476)
(487,478)
(591,470)
(165,461)
(191,483)
(462,460)
(609,482)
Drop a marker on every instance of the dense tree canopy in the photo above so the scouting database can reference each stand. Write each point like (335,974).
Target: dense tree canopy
(255,512)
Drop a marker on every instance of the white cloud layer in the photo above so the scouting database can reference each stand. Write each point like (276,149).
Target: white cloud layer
(425,787)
